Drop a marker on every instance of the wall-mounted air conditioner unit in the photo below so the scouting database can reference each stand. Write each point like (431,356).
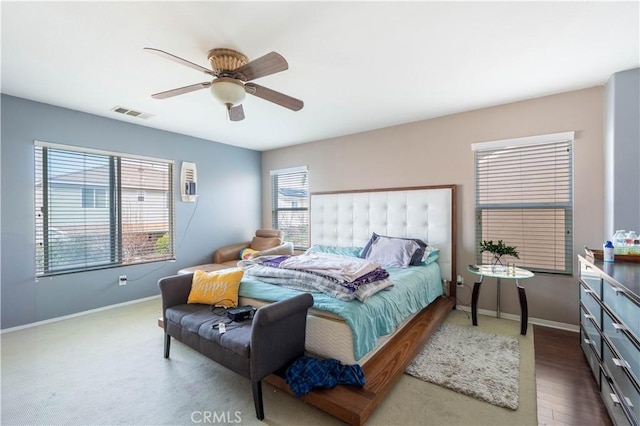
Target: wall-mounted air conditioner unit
(188,180)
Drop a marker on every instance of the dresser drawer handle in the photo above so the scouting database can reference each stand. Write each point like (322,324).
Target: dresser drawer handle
(617,291)
(620,363)
(614,398)
(618,327)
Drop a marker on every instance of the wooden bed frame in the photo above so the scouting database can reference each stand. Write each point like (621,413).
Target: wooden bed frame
(351,404)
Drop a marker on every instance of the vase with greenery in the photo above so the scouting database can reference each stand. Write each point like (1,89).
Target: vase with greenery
(498,250)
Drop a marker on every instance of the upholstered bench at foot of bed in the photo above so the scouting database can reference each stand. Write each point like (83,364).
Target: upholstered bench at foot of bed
(247,348)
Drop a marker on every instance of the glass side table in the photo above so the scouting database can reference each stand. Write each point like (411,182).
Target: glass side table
(500,273)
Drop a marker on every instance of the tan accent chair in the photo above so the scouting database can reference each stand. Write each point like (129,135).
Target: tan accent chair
(266,241)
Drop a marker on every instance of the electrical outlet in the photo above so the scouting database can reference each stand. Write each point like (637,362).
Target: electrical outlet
(460,281)
(122,280)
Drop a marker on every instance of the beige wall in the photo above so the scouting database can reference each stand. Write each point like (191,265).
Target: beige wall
(438,151)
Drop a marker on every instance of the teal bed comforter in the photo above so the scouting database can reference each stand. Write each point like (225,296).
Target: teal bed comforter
(414,288)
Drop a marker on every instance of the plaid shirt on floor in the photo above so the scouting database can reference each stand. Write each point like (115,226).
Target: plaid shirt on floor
(307,373)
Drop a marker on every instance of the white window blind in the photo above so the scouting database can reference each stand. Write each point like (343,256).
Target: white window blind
(290,204)
(89,212)
(524,197)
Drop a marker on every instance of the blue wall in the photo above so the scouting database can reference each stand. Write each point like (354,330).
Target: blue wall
(228,209)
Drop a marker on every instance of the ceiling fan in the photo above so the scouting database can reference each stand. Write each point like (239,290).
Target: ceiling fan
(233,74)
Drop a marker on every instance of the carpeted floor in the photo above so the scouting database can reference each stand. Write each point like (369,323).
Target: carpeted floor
(108,368)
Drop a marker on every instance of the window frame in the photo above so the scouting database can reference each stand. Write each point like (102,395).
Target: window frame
(110,229)
(303,208)
(561,175)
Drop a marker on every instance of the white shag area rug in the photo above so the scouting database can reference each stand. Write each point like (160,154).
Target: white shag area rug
(481,365)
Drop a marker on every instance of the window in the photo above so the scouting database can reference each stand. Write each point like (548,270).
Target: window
(524,196)
(94,198)
(290,204)
(88,209)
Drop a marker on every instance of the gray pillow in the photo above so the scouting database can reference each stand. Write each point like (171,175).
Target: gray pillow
(416,258)
(392,251)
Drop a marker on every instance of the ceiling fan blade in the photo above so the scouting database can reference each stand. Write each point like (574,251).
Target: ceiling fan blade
(236,113)
(179,60)
(181,90)
(268,64)
(273,96)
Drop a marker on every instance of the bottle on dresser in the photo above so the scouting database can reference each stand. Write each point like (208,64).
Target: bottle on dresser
(630,239)
(608,252)
(619,242)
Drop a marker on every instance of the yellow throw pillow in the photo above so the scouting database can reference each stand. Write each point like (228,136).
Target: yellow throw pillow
(218,288)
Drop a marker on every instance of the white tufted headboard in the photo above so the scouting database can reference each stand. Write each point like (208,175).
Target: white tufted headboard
(347,218)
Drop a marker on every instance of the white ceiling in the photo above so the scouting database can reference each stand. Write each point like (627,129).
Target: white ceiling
(357,66)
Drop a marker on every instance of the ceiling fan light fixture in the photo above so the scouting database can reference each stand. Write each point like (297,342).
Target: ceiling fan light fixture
(233,75)
(228,91)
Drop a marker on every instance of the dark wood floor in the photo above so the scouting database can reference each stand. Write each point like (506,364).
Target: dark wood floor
(567,391)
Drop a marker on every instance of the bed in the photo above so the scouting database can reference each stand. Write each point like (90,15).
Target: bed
(346,220)
(352,331)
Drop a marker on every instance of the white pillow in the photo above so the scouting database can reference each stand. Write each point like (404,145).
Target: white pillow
(392,251)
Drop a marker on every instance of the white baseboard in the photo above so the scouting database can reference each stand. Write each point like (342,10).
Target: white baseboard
(537,321)
(78,314)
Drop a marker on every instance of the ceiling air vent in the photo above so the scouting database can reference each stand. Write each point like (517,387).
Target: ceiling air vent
(131,113)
